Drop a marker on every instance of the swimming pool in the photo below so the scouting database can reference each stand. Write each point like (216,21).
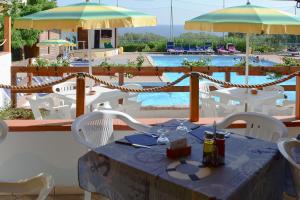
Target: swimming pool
(175,99)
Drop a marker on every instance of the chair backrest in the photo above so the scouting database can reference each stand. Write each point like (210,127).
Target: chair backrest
(64,88)
(37,104)
(3,130)
(170,45)
(53,110)
(41,184)
(133,95)
(257,125)
(205,87)
(96,128)
(208,106)
(289,147)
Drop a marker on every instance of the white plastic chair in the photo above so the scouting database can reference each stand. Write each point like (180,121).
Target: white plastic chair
(257,125)
(96,129)
(205,87)
(64,88)
(41,184)
(211,108)
(52,111)
(286,109)
(130,104)
(274,88)
(287,146)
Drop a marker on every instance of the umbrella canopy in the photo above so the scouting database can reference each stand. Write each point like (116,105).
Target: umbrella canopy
(54,42)
(86,16)
(247,19)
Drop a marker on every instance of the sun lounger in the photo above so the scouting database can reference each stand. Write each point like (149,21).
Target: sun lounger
(292,51)
(231,48)
(186,49)
(221,49)
(179,50)
(171,47)
(208,48)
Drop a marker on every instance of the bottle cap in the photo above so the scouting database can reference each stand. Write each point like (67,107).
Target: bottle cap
(209,135)
(220,135)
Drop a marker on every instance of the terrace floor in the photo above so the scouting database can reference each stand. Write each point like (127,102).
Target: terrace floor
(56,197)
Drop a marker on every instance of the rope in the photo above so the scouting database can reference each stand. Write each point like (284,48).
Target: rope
(246,86)
(125,89)
(39,86)
(154,89)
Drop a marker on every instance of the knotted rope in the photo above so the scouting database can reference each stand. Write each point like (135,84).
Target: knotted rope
(154,89)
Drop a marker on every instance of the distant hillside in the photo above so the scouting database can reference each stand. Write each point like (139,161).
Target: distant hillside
(163,30)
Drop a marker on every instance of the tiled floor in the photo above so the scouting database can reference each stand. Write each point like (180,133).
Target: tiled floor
(57,197)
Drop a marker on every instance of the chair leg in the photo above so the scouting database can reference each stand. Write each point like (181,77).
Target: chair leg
(87,195)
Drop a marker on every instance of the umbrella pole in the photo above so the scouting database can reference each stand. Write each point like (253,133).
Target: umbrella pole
(247,58)
(89,56)
(247,66)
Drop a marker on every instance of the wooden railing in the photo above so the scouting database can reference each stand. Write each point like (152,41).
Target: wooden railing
(150,71)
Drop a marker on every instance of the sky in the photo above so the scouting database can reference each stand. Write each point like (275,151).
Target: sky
(185,9)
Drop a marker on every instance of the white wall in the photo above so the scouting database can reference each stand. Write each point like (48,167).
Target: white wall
(25,154)
(5,65)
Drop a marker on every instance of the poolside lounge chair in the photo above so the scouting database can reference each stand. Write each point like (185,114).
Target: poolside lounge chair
(292,51)
(186,49)
(231,48)
(221,50)
(193,50)
(208,48)
(170,47)
(179,50)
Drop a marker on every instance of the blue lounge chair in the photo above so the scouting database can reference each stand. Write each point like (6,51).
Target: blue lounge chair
(171,47)
(179,50)
(186,49)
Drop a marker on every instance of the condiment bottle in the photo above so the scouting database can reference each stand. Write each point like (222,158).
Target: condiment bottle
(208,148)
(220,147)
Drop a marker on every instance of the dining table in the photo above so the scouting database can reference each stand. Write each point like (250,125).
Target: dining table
(244,96)
(253,169)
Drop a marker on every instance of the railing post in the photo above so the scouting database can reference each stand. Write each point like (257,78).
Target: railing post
(121,82)
(13,95)
(80,95)
(194,97)
(7,34)
(29,75)
(227,77)
(297,96)
(121,78)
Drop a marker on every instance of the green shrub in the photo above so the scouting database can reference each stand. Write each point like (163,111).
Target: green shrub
(146,49)
(9,113)
(202,62)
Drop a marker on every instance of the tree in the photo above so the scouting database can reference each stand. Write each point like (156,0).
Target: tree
(21,37)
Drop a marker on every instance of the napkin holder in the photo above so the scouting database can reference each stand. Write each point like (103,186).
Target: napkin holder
(179,148)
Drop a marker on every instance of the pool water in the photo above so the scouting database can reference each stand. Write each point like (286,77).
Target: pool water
(182,98)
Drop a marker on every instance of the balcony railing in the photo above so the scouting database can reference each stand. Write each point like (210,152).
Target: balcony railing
(148,71)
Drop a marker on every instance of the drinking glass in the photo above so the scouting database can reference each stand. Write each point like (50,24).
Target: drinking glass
(163,139)
(181,128)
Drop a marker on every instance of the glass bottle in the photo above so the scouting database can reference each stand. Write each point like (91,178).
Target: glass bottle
(220,147)
(208,148)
